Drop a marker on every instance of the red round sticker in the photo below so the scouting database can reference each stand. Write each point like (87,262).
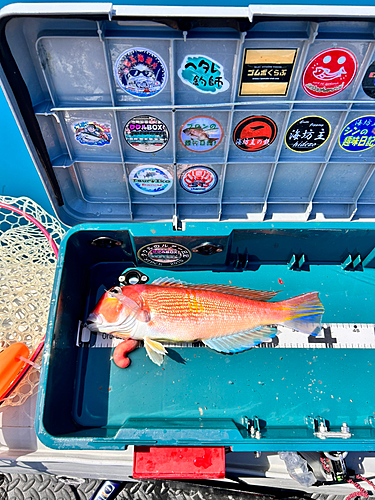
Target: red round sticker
(329,73)
(255,133)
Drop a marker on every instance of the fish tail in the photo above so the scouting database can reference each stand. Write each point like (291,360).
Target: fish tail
(304,313)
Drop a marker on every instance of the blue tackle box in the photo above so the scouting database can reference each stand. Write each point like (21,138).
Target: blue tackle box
(219,145)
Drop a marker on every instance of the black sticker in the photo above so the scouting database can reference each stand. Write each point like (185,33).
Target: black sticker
(254,133)
(266,71)
(164,254)
(368,82)
(307,134)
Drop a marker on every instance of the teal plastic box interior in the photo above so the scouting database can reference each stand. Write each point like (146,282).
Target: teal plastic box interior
(283,219)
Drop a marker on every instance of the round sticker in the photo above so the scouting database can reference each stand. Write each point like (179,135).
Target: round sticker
(368,82)
(201,134)
(255,133)
(164,254)
(150,179)
(146,134)
(141,72)
(198,179)
(307,134)
(329,73)
(358,135)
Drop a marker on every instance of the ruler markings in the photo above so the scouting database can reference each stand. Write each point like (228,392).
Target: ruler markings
(332,335)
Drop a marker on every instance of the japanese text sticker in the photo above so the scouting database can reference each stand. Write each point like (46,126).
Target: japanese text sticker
(201,134)
(329,72)
(198,179)
(307,134)
(203,74)
(266,71)
(141,72)
(150,179)
(368,82)
(92,133)
(164,254)
(146,134)
(254,133)
(358,135)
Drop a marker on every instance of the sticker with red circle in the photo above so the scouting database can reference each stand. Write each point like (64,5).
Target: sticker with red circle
(255,133)
(198,179)
(329,72)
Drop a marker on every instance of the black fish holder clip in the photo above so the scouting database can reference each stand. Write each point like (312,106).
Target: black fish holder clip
(133,277)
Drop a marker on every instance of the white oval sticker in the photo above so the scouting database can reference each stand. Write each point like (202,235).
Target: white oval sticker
(150,179)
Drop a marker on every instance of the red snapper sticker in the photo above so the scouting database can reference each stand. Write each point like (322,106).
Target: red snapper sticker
(329,73)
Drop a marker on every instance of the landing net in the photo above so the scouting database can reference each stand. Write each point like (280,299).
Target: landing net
(27,265)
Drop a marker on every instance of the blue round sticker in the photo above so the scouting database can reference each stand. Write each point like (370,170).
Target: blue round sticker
(141,72)
(150,179)
(358,135)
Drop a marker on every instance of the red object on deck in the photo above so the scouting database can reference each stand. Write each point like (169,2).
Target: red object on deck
(172,462)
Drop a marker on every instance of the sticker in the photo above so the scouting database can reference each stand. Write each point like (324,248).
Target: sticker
(164,254)
(368,82)
(141,72)
(90,133)
(146,134)
(329,73)
(307,134)
(150,179)
(203,74)
(201,134)
(266,71)
(358,135)
(255,133)
(198,179)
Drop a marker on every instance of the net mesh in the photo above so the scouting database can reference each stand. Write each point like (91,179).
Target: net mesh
(27,266)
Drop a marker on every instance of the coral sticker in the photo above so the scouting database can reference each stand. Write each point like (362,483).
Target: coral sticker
(150,179)
(203,74)
(164,254)
(141,72)
(201,134)
(255,133)
(329,73)
(307,134)
(146,134)
(368,82)
(91,133)
(198,179)
(358,135)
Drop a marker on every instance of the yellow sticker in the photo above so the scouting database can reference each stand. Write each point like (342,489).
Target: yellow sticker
(266,71)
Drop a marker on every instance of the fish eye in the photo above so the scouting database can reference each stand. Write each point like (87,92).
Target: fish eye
(115,289)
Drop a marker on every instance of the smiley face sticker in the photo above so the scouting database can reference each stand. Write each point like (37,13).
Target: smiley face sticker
(329,73)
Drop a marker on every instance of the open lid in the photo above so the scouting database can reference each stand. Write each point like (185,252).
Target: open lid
(231,113)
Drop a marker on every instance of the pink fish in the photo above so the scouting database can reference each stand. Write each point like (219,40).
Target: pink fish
(225,318)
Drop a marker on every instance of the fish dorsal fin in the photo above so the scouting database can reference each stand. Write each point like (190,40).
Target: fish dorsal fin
(169,282)
(240,341)
(229,289)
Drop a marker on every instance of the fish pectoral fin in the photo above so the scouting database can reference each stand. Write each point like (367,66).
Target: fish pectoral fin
(144,315)
(155,350)
(240,341)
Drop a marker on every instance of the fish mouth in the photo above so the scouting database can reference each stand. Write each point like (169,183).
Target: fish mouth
(94,321)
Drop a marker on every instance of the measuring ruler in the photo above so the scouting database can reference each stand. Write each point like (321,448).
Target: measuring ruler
(331,336)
